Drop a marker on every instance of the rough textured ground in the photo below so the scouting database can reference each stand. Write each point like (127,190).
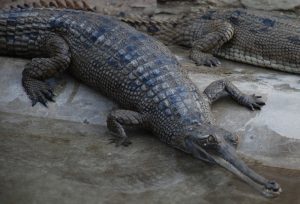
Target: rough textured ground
(61,154)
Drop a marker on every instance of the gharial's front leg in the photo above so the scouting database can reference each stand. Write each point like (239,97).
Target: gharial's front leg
(212,35)
(118,119)
(57,59)
(220,88)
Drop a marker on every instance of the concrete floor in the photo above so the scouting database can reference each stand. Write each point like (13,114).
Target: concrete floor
(61,154)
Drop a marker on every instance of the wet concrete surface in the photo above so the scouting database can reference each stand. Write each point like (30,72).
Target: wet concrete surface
(62,154)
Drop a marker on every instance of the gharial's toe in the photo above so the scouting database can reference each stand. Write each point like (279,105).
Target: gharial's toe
(205,59)
(253,102)
(212,62)
(120,141)
(38,91)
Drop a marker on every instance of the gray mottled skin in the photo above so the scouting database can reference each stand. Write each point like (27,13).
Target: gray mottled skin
(134,70)
(260,38)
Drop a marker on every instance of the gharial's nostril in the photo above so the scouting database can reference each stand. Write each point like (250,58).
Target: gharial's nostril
(273,185)
(237,138)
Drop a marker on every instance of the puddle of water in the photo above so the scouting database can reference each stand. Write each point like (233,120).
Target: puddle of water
(281,114)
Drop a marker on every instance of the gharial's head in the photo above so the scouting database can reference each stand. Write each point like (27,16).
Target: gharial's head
(216,145)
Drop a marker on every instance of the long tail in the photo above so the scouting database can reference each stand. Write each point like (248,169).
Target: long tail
(19,34)
(163,29)
(70,4)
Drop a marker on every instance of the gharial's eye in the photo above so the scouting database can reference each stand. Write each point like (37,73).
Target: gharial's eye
(211,139)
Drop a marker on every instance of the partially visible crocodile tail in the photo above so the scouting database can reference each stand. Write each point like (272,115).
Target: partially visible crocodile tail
(67,4)
(163,29)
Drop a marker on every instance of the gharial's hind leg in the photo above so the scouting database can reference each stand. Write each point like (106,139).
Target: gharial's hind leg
(57,60)
(214,33)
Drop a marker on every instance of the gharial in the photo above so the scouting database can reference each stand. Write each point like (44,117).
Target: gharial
(133,69)
(261,38)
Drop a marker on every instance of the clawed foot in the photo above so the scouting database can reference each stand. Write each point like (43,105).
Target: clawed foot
(205,59)
(120,141)
(252,102)
(38,91)
(211,62)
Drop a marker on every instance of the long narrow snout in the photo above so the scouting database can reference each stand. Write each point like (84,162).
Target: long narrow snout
(225,155)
